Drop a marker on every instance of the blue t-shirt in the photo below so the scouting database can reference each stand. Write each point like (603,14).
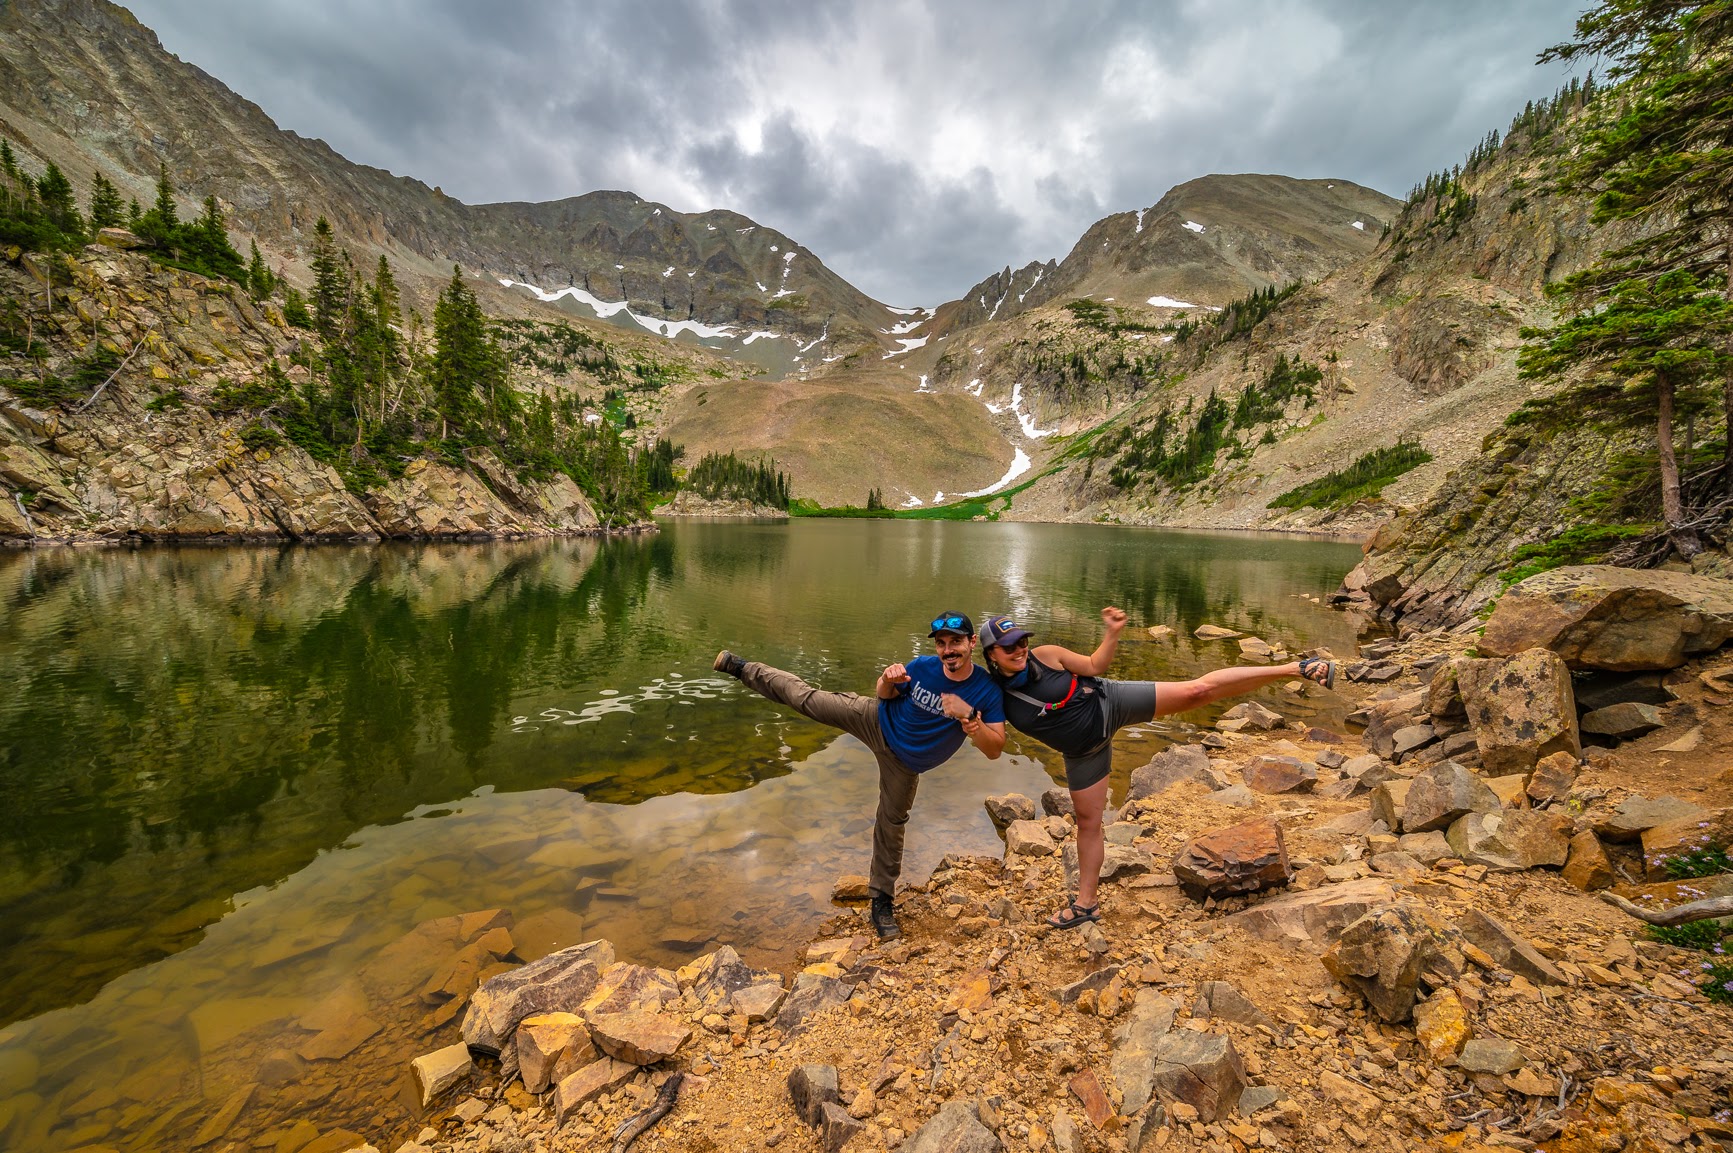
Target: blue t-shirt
(914,722)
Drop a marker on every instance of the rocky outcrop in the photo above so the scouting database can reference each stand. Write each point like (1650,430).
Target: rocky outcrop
(158,454)
(1617,619)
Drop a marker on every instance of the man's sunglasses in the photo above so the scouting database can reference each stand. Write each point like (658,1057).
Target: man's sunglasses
(947,624)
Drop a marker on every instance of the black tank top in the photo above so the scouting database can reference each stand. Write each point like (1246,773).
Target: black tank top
(1076,728)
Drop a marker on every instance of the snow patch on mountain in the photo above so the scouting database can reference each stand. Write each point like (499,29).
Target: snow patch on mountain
(1360,224)
(1024,419)
(909,344)
(1140,213)
(762,336)
(1020,464)
(1032,285)
(1193,225)
(608,308)
(1169,302)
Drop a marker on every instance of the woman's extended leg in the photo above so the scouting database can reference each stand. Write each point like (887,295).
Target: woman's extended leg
(1180,696)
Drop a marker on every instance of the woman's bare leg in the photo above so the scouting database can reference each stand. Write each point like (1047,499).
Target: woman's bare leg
(1181,696)
(1089,803)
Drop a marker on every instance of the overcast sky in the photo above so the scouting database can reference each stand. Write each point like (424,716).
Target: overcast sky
(915,147)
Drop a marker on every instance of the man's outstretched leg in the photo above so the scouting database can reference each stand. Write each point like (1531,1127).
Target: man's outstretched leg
(854,714)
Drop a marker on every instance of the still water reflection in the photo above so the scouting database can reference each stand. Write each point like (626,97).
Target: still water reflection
(230,778)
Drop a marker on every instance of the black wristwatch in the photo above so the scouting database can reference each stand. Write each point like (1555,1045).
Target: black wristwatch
(974,714)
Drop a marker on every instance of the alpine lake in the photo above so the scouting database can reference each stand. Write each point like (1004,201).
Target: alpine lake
(234,780)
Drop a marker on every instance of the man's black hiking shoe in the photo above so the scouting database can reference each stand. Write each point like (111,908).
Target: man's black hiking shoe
(884,919)
(727,662)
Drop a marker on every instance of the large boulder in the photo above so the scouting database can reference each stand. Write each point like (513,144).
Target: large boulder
(1619,619)
(1240,859)
(1008,807)
(1439,795)
(1381,956)
(1512,839)
(1170,767)
(558,983)
(551,1047)
(1028,839)
(1520,709)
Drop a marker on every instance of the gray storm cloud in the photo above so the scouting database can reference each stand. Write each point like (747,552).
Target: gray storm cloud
(915,147)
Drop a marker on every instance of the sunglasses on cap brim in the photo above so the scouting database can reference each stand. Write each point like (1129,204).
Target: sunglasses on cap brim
(949,624)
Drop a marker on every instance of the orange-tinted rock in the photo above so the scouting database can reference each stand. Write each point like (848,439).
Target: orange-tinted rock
(1679,838)
(638,1037)
(1279,775)
(1588,867)
(1086,1087)
(1243,858)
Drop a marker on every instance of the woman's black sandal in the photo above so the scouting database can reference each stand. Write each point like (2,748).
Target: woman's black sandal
(1080,915)
(1307,664)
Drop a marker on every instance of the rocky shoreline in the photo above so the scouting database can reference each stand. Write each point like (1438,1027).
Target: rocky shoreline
(1310,941)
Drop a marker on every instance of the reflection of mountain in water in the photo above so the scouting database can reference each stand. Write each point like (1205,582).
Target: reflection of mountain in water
(187,725)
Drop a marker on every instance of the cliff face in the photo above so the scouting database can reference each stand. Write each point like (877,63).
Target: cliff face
(148,456)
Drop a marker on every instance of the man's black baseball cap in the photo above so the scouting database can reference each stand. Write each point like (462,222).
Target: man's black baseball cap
(949,622)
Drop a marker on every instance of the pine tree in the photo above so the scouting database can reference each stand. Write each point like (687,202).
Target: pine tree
(1659,150)
(295,308)
(161,223)
(466,365)
(261,284)
(106,209)
(1646,347)
(59,203)
(330,282)
(207,243)
(8,162)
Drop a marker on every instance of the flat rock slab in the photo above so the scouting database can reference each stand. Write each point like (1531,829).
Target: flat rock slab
(1490,1055)
(1255,716)
(558,983)
(1617,619)
(1637,815)
(1623,722)
(812,993)
(1314,919)
(1509,948)
(1240,859)
(588,1083)
(1271,775)
(1133,1063)
(1215,633)
(1218,999)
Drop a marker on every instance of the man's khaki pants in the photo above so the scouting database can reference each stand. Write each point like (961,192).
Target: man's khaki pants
(857,716)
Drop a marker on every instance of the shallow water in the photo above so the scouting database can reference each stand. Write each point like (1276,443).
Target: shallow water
(231,778)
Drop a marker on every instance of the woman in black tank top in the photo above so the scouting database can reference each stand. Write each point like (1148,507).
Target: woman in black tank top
(1060,698)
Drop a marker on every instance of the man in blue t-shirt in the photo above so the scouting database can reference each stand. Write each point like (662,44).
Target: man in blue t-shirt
(921,713)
